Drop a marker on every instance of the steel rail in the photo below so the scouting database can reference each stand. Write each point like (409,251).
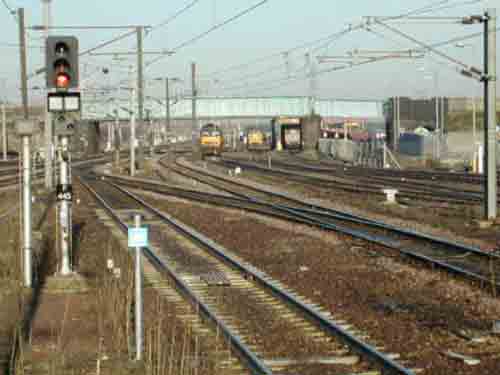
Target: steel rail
(13,177)
(383,179)
(386,242)
(338,214)
(390,243)
(414,174)
(255,365)
(436,196)
(252,205)
(368,352)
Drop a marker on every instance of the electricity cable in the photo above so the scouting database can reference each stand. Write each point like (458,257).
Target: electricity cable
(174,16)
(368,60)
(210,30)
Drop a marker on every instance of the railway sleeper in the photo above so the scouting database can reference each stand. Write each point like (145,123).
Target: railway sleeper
(282,363)
(194,280)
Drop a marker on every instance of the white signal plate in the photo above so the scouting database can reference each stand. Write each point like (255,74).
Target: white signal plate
(56,104)
(72,103)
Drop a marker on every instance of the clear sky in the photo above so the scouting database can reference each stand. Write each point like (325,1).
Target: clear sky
(274,27)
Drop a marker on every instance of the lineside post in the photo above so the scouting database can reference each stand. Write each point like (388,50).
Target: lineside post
(48,127)
(64,197)
(132,135)
(138,238)
(4,132)
(23,62)
(25,129)
(490,123)
(194,125)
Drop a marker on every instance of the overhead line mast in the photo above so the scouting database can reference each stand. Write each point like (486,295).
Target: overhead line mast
(434,6)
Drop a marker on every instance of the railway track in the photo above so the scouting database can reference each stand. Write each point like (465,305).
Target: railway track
(368,186)
(465,261)
(271,328)
(426,175)
(11,176)
(386,176)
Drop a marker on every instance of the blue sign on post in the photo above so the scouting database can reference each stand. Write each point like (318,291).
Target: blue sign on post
(137,237)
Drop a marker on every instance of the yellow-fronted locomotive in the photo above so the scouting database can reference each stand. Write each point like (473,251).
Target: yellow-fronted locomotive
(257,140)
(211,140)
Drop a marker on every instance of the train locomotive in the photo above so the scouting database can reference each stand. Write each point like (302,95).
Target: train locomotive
(257,140)
(287,133)
(211,140)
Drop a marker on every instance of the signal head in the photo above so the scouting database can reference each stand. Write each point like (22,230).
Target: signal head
(63,80)
(61,62)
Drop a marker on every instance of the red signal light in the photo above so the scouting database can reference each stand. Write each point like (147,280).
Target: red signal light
(62,81)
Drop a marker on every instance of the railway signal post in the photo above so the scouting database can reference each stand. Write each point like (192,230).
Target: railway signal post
(64,200)
(62,75)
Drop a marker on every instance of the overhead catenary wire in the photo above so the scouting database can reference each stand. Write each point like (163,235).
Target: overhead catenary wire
(435,5)
(211,29)
(173,16)
(426,46)
(92,49)
(287,80)
(428,8)
(11,10)
(435,45)
(284,80)
(410,13)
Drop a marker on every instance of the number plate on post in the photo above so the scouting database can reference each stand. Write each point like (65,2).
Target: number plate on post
(64,193)
(137,237)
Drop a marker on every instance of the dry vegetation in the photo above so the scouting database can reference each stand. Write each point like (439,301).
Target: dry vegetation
(91,330)
(11,291)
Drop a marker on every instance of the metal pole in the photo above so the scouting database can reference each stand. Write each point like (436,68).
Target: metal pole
(117,139)
(398,129)
(120,135)
(4,132)
(132,134)
(140,78)
(24,75)
(397,124)
(151,135)
(194,125)
(394,123)
(474,120)
(490,115)
(167,104)
(49,180)
(65,207)
(108,138)
(437,114)
(140,84)
(443,114)
(27,229)
(138,296)
(384,155)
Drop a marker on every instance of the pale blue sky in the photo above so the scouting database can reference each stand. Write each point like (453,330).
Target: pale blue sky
(276,26)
